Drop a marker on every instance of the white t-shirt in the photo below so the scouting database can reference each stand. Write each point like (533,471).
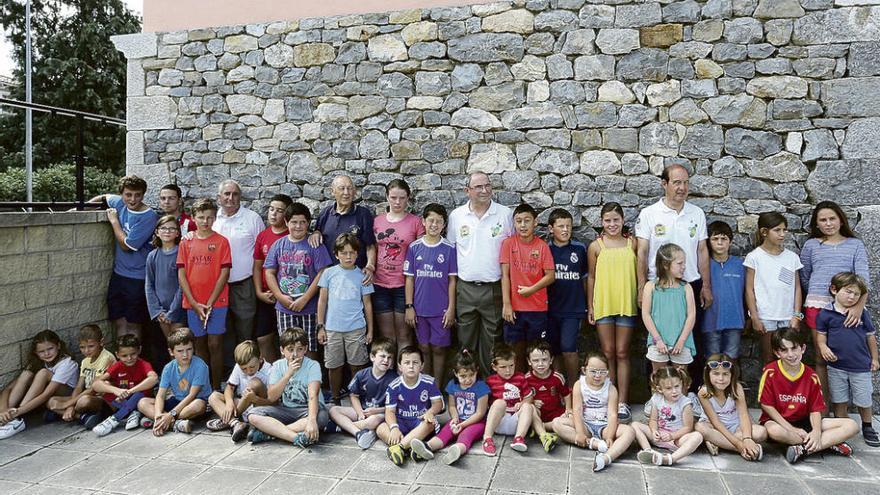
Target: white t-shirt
(774,282)
(241,231)
(239,379)
(660,224)
(478,241)
(65,372)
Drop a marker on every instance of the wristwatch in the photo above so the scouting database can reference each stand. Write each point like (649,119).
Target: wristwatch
(173,413)
(798,315)
(408,306)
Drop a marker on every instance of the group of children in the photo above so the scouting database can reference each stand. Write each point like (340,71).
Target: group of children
(548,288)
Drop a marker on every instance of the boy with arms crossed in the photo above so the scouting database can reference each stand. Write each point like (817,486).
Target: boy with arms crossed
(124,384)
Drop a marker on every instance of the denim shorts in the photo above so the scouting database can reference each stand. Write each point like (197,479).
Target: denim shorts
(528,326)
(722,341)
(562,333)
(618,320)
(596,428)
(386,300)
(774,325)
(846,385)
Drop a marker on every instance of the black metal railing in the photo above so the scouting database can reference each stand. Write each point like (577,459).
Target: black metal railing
(81,117)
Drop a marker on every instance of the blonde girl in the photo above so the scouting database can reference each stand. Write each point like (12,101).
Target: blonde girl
(725,421)
(669,311)
(611,297)
(671,423)
(50,371)
(773,289)
(594,422)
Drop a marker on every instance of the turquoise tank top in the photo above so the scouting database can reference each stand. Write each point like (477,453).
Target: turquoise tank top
(669,312)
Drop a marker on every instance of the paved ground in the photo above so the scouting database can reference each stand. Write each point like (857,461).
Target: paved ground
(60,458)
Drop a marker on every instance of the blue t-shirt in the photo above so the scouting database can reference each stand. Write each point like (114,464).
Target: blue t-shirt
(430,266)
(850,345)
(466,398)
(345,305)
(369,389)
(138,227)
(566,296)
(412,403)
(358,220)
(296,264)
(179,383)
(728,284)
(296,392)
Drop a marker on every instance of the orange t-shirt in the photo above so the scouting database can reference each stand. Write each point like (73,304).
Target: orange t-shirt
(203,259)
(527,264)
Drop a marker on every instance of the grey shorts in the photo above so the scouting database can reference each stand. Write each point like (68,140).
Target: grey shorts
(342,347)
(290,415)
(684,357)
(774,325)
(846,385)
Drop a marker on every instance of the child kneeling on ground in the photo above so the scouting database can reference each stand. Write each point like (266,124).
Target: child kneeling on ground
(296,380)
(245,387)
(367,394)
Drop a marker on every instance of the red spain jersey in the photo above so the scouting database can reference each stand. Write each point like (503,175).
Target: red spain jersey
(203,260)
(795,397)
(551,391)
(512,391)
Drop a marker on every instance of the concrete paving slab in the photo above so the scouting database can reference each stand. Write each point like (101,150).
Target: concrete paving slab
(471,471)
(520,474)
(12,451)
(156,477)
(87,441)
(145,444)
(349,487)
(225,480)
(95,472)
(617,478)
(745,484)
(11,487)
(45,435)
(281,483)
(561,453)
(829,487)
(443,490)
(42,489)
(321,460)
(665,480)
(202,449)
(267,456)
(773,463)
(40,465)
(828,465)
(375,466)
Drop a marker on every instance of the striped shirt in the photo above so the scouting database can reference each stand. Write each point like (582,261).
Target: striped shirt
(822,261)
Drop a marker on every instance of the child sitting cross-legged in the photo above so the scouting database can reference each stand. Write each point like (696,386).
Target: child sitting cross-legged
(594,423)
(124,384)
(367,394)
(468,403)
(552,396)
(411,404)
(296,381)
(671,423)
(245,387)
(792,403)
(187,378)
(511,410)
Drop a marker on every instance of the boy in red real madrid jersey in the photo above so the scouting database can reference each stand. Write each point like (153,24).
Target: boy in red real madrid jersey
(792,403)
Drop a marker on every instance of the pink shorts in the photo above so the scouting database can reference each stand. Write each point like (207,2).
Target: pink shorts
(430,331)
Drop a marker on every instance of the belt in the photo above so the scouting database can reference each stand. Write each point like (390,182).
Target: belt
(478,283)
(241,281)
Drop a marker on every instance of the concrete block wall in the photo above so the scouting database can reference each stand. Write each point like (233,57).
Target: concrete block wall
(54,270)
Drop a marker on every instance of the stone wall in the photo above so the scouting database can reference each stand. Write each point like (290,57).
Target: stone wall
(773,104)
(54,270)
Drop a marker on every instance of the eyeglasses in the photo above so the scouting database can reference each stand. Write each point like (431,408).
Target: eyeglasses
(167,229)
(482,187)
(596,372)
(719,364)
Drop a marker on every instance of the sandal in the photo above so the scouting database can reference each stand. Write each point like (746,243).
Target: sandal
(597,444)
(217,424)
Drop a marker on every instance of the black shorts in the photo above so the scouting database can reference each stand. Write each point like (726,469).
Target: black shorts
(266,323)
(127,299)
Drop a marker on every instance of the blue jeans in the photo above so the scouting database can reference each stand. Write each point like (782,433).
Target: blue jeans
(722,342)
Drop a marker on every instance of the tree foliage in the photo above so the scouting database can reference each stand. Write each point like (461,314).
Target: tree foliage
(75,66)
(55,183)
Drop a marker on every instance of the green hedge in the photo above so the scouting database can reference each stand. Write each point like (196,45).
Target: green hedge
(55,183)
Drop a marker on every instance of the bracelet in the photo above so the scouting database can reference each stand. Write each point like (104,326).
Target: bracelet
(394,427)
(747,438)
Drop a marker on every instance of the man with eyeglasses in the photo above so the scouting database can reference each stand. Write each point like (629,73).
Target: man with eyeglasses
(477,228)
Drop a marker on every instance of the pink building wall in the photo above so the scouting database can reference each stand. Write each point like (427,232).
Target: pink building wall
(178,15)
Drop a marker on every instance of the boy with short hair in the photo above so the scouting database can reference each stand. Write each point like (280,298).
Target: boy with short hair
(124,384)
(430,268)
(203,264)
(187,378)
(526,270)
(171,203)
(851,352)
(552,397)
(724,321)
(133,223)
(568,293)
(511,411)
(245,387)
(293,267)
(412,402)
(84,404)
(367,394)
(265,324)
(792,403)
(344,305)
(296,381)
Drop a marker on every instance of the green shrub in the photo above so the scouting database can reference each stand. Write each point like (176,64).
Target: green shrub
(55,183)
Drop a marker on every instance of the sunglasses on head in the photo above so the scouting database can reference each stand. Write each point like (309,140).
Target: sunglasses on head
(719,364)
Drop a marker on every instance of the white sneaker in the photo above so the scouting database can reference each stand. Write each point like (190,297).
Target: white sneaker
(106,426)
(133,421)
(12,428)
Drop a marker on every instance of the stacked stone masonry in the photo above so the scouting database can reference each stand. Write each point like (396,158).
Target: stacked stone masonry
(773,105)
(55,268)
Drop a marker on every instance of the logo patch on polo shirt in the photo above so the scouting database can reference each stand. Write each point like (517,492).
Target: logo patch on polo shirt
(464,231)
(659,230)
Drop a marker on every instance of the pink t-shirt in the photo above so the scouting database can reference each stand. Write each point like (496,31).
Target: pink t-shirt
(392,239)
